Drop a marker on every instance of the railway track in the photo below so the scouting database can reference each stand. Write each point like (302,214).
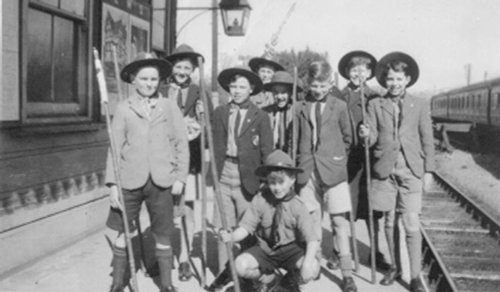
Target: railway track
(461,249)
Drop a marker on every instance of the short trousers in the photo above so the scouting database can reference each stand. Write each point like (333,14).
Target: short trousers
(234,200)
(285,257)
(401,191)
(159,203)
(315,193)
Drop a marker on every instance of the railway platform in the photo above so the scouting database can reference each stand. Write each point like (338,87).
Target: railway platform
(85,267)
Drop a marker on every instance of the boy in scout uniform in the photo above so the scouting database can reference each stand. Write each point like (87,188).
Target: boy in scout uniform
(150,134)
(358,67)
(242,139)
(265,69)
(399,128)
(181,90)
(324,140)
(282,225)
(280,112)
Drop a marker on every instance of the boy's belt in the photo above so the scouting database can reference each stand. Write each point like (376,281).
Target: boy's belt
(232,158)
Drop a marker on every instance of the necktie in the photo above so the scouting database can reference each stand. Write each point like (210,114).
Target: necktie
(237,123)
(179,99)
(318,122)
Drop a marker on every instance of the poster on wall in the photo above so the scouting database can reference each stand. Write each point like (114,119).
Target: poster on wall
(126,26)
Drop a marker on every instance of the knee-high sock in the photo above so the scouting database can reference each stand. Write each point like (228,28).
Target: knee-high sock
(121,270)
(165,257)
(414,244)
(346,265)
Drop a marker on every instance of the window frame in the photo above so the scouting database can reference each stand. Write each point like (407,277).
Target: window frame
(58,112)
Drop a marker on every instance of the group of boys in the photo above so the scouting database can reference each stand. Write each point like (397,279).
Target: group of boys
(274,205)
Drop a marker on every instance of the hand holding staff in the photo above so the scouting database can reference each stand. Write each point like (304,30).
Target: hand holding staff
(225,226)
(104,101)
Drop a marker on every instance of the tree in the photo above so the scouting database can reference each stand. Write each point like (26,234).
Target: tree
(301,59)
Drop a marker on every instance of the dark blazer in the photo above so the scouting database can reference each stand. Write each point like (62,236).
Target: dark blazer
(271,110)
(330,159)
(155,146)
(193,95)
(254,143)
(356,158)
(415,138)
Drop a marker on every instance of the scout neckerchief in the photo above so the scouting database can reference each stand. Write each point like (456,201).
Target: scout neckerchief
(180,86)
(278,216)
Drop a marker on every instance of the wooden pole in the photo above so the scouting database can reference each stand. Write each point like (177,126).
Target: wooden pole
(203,197)
(114,154)
(294,118)
(368,184)
(218,199)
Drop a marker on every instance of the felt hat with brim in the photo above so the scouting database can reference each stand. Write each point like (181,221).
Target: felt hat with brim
(346,59)
(393,57)
(256,63)
(182,52)
(276,161)
(144,59)
(226,75)
(282,78)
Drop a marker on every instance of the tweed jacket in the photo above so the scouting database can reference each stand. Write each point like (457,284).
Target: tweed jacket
(254,143)
(155,146)
(330,157)
(413,137)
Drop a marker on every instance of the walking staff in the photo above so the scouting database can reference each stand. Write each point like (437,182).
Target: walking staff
(215,177)
(105,102)
(368,185)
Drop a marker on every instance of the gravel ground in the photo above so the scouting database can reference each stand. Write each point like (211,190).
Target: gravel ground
(476,174)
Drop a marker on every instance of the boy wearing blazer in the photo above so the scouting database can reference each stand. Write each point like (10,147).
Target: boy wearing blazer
(324,140)
(399,128)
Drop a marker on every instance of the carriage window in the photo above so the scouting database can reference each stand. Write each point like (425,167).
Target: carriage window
(56,64)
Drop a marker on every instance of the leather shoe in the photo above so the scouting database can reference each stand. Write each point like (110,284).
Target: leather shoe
(349,285)
(390,276)
(333,262)
(185,272)
(380,262)
(416,285)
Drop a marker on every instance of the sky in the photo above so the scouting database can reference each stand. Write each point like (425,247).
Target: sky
(442,35)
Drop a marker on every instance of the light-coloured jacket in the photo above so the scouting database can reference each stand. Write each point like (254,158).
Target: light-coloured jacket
(153,145)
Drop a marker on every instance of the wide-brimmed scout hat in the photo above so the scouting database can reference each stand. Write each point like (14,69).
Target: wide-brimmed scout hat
(225,77)
(184,51)
(282,78)
(277,160)
(256,63)
(346,59)
(144,59)
(397,56)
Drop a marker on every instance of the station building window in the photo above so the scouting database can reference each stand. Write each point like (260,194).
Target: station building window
(55,60)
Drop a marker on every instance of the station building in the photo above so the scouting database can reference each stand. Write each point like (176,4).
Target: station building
(53,138)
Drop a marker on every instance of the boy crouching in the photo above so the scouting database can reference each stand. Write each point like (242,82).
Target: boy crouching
(282,224)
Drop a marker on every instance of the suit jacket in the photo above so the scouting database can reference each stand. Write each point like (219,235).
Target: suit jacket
(356,159)
(193,95)
(414,136)
(254,143)
(330,159)
(155,146)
